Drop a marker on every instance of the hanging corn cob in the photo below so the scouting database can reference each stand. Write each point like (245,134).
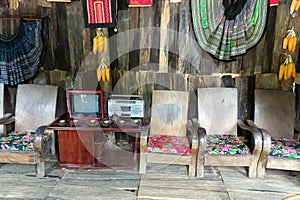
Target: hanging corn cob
(295,5)
(103,72)
(290,40)
(287,69)
(99,42)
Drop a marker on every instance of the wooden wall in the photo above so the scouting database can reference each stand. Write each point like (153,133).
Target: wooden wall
(155,48)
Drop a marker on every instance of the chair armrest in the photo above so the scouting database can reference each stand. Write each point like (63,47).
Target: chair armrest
(7,118)
(256,136)
(201,136)
(144,138)
(194,138)
(38,140)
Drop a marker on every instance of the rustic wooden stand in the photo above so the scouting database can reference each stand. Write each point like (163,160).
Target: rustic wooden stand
(78,146)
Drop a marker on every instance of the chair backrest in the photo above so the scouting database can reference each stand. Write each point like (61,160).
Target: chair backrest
(169,112)
(218,110)
(274,110)
(35,106)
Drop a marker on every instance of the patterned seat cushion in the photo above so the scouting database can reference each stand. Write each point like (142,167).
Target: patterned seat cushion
(168,144)
(20,141)
(226,144)
(284,147)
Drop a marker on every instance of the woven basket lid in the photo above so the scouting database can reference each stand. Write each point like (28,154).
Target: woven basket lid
(226,36)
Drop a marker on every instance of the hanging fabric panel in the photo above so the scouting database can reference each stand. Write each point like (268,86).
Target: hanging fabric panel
(228,28)
(99,13)
(20,54)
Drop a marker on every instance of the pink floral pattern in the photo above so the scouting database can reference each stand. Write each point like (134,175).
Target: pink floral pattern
(20,141)
(226,144)
(168,144)
(284,147)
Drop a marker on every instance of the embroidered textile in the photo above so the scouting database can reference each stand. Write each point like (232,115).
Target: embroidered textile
(226,33)
(20,141)
(226,145)
(20,54)
(99,13)
(140,3)
(284,147)
(168,144)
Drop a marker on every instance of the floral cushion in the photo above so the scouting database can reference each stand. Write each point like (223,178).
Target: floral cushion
(226,144)
(284,147)
(168,144)
(20,141)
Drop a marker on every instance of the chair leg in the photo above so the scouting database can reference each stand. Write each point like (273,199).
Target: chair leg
(143,164)
(252,171)
(40,167)
(200,167)
(261,171)
(52,147)
(192,170)
(263,159)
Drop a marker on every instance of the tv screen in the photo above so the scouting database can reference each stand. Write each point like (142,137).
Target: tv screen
(85,104)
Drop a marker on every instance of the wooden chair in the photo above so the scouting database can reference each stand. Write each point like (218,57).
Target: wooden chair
(170,137)
(35,109)
(274,115)
(221,142)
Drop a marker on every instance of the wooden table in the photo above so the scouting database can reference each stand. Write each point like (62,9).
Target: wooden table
(77,143)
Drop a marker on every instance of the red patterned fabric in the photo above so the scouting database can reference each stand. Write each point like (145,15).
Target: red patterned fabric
(274,3)
(140,3)
(99,13)
(168,144)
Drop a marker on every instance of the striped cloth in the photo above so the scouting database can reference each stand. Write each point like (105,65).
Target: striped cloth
(20,54)
(225,38)
(99,13)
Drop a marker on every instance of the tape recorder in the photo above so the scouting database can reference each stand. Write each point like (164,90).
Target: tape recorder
(126,106)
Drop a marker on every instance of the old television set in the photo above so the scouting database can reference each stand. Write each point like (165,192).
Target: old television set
(85,104)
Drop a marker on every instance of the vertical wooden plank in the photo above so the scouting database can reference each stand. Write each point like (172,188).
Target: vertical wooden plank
(75,25)
(146,20)
(265,46)
(116,76)
(122,40)
(208,64)
(146,83)
(134,38)
(113,47)
(245,86)
(62,48)
(248,62)
(163,81)
(178,82)
(154,56)
(163,54)
(282,22)
(186,40)
(132,83)
(194,82)
(172,38)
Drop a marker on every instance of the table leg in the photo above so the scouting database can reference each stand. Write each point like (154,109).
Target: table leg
(136,146)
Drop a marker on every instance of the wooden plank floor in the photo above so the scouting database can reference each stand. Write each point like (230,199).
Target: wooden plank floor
(219,183)
(167,182)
